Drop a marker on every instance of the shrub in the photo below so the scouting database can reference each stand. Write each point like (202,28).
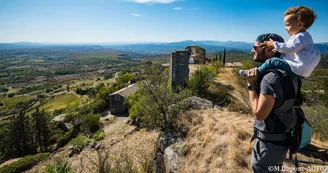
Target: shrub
(11,95)
(91,122)
(67,137)
(201,79)
(217,65)
(24,163)
(59,166)
(151,106)
(121,163)
(80,141)
(3,89)
(48,90)
(99,135)
(318,117)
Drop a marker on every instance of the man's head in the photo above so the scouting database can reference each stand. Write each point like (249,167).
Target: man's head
(262,53)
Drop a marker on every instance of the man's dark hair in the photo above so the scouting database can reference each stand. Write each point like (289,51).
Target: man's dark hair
(266,37)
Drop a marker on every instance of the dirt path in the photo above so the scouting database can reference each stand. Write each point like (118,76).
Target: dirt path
(107,115)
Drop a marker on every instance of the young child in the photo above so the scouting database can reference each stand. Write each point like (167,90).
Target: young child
(300,55)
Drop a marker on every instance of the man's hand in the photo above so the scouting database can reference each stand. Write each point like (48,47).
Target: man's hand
(253,76)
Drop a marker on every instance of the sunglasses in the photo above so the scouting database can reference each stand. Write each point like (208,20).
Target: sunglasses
(257,47)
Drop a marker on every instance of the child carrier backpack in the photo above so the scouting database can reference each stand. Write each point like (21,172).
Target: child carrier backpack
(292,100)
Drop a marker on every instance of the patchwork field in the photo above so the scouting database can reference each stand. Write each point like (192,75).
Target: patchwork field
(13,101)
(59,102)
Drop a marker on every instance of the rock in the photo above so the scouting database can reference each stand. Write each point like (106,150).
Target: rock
(99,147)
(61,149)
(76,150)
(52,148)
(197,103)
(70,147)
(172,157)
(167,138)
(93,144)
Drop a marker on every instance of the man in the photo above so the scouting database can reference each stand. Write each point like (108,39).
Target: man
(274,116)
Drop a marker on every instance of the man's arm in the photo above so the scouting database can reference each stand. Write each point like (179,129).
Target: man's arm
(263,104)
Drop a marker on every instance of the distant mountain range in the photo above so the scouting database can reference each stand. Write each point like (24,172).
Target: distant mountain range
(149,48)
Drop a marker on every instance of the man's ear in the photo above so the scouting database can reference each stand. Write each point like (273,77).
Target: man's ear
(269,52)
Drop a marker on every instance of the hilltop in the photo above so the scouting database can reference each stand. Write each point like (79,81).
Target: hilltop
(217,140)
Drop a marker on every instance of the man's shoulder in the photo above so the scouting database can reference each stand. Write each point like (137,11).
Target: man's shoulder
(277,76)
(272,75)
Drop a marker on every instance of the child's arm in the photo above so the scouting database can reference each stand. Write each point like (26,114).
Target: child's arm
(293,45)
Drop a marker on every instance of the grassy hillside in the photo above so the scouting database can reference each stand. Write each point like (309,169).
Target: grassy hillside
(219,141)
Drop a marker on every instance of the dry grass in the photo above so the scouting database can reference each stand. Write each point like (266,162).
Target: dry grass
(219,141)
(214,144)
(239,93)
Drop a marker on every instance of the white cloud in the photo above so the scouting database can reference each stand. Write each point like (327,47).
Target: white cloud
(153,1)
(177,8)
(136,14)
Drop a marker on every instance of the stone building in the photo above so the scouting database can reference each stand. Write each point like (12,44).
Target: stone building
(117,98)
(197,54)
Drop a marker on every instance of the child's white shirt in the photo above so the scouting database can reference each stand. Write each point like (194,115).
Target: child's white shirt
(300,53)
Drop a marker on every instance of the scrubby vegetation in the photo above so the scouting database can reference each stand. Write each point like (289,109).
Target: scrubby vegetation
(149,107)
(99,135)
(60,166)
(24,163)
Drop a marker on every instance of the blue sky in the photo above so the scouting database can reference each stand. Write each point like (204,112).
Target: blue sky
(150,20)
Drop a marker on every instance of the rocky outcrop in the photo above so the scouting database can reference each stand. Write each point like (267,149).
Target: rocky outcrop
(166,157)
(197,103)
(172,157)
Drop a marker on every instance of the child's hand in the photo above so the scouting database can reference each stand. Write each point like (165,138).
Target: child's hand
(270,43)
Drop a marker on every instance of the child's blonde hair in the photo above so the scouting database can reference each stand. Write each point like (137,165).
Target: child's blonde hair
(305,16)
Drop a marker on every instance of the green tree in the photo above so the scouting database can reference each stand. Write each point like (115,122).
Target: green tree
(91,123)
(102,98)
(41,126)
(76,112)
(152,104)
(124,79)
(21,136)
(5,148)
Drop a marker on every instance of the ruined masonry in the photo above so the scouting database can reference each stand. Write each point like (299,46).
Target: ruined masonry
(179,69)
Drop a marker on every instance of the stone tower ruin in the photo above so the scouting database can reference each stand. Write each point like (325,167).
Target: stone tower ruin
(179,68)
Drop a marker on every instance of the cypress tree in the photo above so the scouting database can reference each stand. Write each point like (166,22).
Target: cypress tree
(224,57)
